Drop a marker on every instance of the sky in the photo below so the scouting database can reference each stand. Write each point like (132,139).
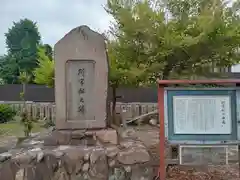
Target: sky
(55,18)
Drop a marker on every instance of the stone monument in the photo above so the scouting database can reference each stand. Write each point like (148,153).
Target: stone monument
(81,86)
(81,80)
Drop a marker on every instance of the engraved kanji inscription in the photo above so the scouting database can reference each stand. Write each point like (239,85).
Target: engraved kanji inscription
(81,75)
(81,100)
(81,91)
(81,81)
(81,72)
(81,108)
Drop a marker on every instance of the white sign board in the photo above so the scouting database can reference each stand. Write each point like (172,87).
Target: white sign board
(202,115)
(193,155)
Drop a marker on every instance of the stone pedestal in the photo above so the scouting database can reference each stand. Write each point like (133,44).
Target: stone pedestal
(82,137)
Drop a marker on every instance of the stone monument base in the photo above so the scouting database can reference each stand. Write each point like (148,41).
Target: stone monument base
(82,137)
(97,155)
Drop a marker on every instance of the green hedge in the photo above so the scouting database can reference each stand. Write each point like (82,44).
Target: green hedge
(7,113)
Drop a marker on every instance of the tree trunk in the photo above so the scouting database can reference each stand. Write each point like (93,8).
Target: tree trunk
(166,72)
(114,101)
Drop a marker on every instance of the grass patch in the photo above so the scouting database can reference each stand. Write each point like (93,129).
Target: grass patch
(14,128)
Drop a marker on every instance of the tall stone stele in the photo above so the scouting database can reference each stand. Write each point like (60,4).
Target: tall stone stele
(81,80)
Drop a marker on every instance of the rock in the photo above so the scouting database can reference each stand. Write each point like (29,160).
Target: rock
(85,167)
(153,122)
(78,134)
(111,163)
(80,176)
(73,159)
(8,170)
(30,143)
(68,164)
(85,176)
(132,143)
(20,174)
(98,166)
(51,162)
(4,149)
(127,168)
(139,173)
(5,156)
(7,143)
(133,155)
(75,153)
(86,156)
(61,174)
(62,137)
(129,133)
(37,149)
(111,151)
(30,173)
(96,154)
(78,167)
(56,152)
(50,141)
(40,156)
(118,174)
(25,158)
(63,147)
(43,170)
(107,136)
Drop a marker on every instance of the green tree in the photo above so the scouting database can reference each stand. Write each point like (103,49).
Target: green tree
(176,37)
(122,72)
(22,40)
(9,69)
(48,50)
(26,119)
(44,73)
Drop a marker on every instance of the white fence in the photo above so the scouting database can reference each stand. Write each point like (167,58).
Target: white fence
(47,110)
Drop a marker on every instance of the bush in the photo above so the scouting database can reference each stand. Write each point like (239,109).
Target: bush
(48,123)
(7,113)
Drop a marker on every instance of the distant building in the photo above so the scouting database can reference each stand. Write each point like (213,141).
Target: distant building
(235,68)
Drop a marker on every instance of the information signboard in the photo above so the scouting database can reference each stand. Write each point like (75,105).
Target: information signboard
(198,116)
(202,115)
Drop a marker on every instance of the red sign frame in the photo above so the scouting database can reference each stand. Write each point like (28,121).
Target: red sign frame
(165,83)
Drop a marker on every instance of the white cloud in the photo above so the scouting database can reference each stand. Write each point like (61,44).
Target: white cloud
(54,17)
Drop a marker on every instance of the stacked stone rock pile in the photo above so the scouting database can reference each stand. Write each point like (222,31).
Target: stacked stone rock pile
(32,160)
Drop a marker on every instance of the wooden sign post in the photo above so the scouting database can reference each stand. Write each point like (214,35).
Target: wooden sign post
(198,115)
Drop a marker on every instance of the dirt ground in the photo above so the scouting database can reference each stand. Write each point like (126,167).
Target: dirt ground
(228,172)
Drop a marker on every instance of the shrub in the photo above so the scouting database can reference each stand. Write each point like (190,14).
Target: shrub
(7,113)
(48,123)
(27,123)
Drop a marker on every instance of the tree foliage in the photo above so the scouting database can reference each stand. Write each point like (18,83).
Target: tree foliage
(44,73)
(22,40)
(9,69)
(122,72)
(173,37)
(24,78)
(48,50)
(26,119)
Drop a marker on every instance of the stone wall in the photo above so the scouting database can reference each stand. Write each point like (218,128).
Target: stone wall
(32,159)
